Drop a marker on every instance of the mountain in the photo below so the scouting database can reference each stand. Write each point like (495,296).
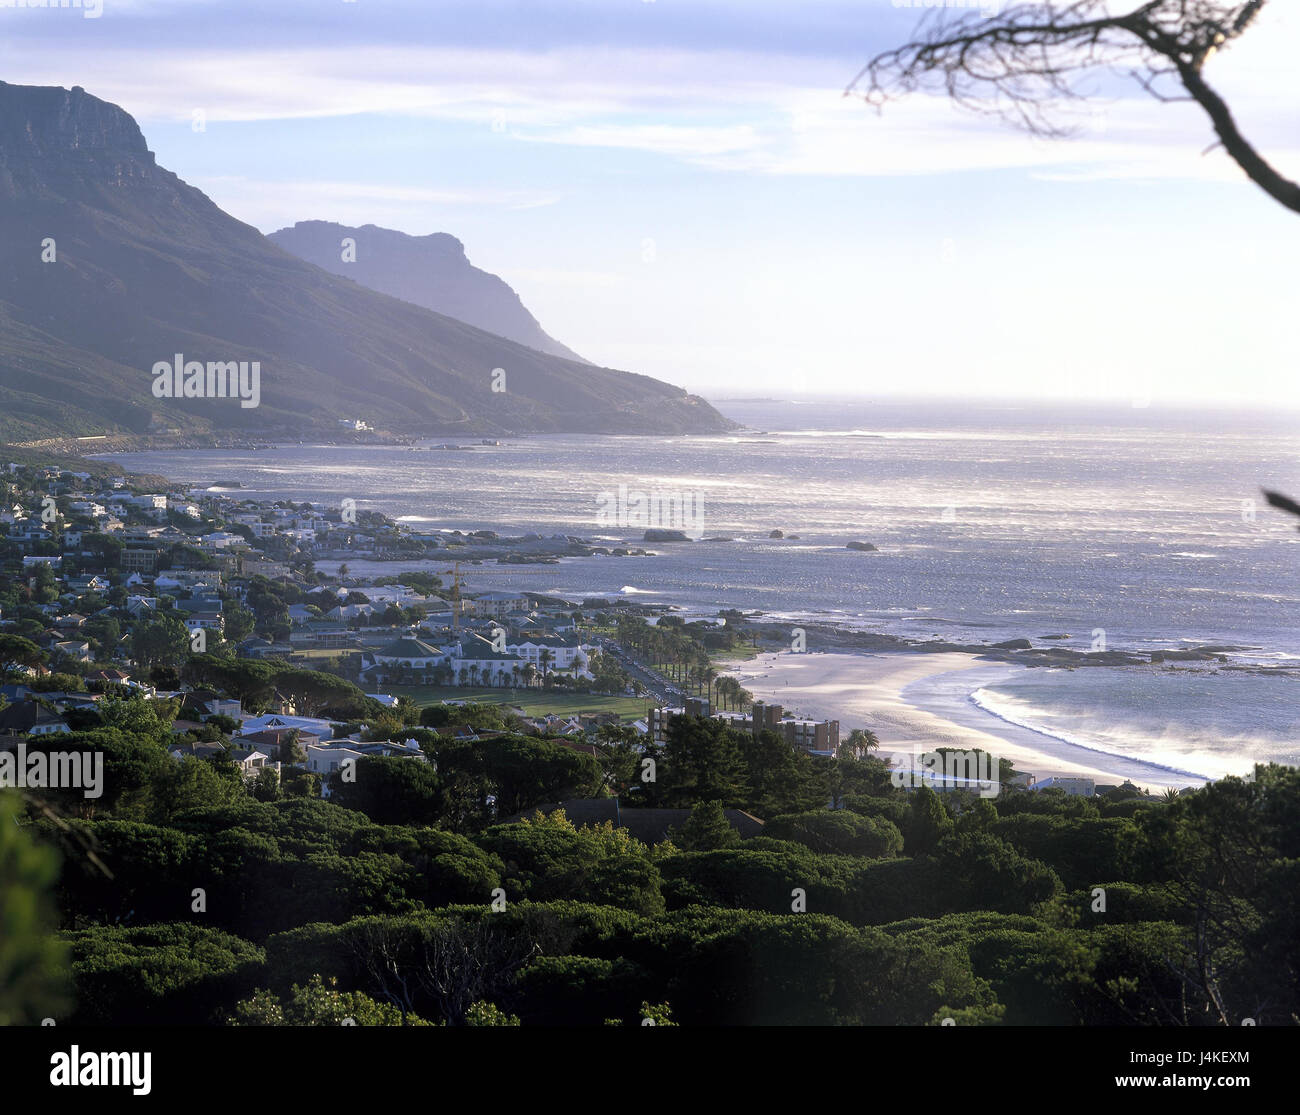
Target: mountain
(431,271)
(110,265)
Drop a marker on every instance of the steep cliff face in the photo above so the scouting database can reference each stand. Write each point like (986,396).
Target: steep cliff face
(110,264)
(55,123)
(53,141)
(431,271)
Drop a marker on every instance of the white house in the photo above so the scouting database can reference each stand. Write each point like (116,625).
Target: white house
(408,657)
(322,728)
(476,663)
(564,654)
(221,539)
(327,758)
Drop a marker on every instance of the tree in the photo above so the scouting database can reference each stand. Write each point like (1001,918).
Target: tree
(161,641)
(858,745)
(452,963)
(104,632)
(266,786)
(927,822)
(31,956)
(702,761)
(139,717)
(239,624)
(291,750)
(16,651)
(838,832)
(390,791)
(706,829)
(1025,61)
(299,783)
(46,590)
(313,690)
(484,1013)
(319,1004)
(191,784)
(251,682)
(159,975)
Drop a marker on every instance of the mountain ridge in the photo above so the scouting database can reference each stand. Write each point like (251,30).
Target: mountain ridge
(432,271)
(110,263)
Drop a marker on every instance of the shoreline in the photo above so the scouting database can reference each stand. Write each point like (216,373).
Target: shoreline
(869,678)
(876,690)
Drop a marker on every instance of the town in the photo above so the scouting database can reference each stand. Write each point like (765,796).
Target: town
(213,602)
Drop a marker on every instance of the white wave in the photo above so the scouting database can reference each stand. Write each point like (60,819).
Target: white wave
(982,699)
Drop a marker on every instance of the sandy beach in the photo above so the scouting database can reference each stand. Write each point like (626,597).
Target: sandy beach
(869,690)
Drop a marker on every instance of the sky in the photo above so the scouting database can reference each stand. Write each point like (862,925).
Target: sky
(681,187)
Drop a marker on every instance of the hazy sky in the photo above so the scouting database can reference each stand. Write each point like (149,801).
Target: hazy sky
(678,187)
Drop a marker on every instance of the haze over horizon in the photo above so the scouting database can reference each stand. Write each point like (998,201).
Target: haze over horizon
(681,190)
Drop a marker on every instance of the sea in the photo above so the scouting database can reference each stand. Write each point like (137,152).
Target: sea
(1120,526)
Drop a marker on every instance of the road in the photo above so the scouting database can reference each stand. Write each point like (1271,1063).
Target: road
(660,688)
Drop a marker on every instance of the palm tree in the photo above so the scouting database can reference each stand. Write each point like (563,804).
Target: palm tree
(707,674)
(530,674)
(860,741)
(544,660)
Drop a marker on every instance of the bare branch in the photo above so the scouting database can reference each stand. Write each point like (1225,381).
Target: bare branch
(1025,62)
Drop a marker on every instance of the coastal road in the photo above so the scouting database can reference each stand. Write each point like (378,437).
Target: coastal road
(658,686)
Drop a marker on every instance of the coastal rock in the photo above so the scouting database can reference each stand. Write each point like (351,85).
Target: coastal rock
(659,534)
(865,547)
(776,534)
(1014,644)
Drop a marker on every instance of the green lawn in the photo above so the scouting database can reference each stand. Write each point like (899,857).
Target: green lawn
(744,651)
(534,702)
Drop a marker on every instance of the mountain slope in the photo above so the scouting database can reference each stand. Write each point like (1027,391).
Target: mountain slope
(430,271)
(146,267)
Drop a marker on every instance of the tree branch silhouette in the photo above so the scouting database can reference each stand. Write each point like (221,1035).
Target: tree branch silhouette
(1024,63)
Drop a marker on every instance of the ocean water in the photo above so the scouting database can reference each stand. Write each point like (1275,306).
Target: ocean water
(1142,527)
(1157,727)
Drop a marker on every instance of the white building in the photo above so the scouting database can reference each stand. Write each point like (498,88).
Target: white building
(321,728)
(1076,787)
(564,654)
(496,603)
(325,759)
